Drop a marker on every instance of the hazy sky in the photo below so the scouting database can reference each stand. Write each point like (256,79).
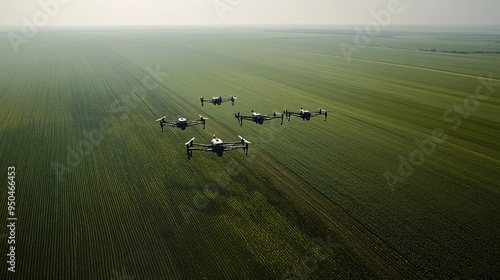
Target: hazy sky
(195,12)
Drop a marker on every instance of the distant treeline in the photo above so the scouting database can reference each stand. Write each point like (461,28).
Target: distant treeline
(461,52)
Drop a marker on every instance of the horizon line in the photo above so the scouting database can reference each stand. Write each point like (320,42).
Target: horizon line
(257,24)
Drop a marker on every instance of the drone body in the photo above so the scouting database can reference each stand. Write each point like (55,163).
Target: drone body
(216,146)
(181,123)
(257,117)
(217,100)
(305,114)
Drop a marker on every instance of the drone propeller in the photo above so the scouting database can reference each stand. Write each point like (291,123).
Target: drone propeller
(190,142)
(161,118)
(287,115)
(203,118)
(323,112)
(243,140)
(239,118)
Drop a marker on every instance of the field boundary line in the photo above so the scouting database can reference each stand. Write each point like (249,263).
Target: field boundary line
(405,65)
(427,69)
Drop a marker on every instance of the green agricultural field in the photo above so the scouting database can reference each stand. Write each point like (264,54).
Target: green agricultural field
(401,181)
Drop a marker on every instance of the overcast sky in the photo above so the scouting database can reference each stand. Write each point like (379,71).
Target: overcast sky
(197,12)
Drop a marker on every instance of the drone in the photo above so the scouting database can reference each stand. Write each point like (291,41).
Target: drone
(305,114)
(181,123)
(257,117)
(217,100)
(216,146)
